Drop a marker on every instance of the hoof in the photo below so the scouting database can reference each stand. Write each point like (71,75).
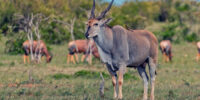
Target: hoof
(115,98)
(144,98)
(152,98)
(120,98)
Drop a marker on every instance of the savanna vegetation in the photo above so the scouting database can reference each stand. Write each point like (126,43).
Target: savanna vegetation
(178,80)
(176,20)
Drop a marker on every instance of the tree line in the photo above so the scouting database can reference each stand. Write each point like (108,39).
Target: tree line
(176,20)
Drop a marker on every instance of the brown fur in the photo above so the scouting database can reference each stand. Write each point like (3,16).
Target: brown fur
(120,48)
(166,49)
(82,47)
(198,48)
(36,49)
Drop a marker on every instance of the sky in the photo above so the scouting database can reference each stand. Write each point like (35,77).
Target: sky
(119,2)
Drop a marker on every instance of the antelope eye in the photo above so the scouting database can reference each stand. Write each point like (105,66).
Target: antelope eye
(96,24)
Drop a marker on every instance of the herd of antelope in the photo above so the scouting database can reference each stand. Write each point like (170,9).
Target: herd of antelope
(118,48)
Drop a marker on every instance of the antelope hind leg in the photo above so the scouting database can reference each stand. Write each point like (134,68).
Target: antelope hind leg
(90,59)
(27,57)
(152,72)
(144,76)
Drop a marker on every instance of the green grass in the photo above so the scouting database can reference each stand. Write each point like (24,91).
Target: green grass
(179,80)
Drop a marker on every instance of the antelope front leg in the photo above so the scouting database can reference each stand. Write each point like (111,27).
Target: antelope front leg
(197,58)
(90,59)
(76,57)
(68,58)
(28,59)
(83,58)
(114,80)
(24,59)
(42,58)
(120,80)
(167,58)
(163,57)
(72,59)
(114,86)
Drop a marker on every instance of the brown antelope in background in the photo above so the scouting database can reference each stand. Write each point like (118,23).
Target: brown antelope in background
(198,48)
(166,49)
(38,49)
(81,46)
(120,48)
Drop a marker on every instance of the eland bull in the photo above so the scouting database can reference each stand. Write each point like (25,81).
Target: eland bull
(120,48)
(38,48)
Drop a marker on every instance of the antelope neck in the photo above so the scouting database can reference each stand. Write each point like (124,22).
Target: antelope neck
(105,39)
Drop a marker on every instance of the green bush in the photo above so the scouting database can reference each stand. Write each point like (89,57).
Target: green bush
(54,33)
(191,37)
(14,44)
(60,76)
(167,32)
(182,6)
(176,33)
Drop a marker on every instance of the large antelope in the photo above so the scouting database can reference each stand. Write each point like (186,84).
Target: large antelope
(198,48)
(81,46)
(166,49)
(37,48)
(120,48)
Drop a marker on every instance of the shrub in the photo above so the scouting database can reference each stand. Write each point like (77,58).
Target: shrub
(191,37)
(167,32)
(14,44)
(60,76)
(54,33)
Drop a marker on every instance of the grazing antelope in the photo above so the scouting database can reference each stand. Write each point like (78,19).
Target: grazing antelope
(41,48)
(81,46)
(120,48)
(198,48)
(166,49)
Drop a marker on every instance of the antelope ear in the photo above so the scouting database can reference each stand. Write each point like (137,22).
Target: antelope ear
(106,21)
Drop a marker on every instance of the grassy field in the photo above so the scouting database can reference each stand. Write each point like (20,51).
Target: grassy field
(179,80)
